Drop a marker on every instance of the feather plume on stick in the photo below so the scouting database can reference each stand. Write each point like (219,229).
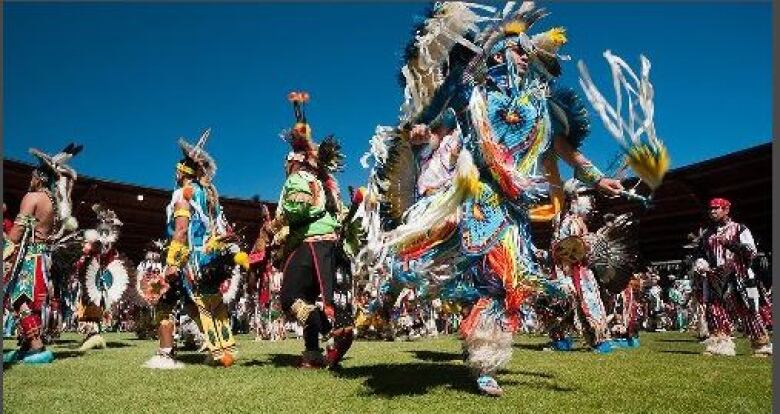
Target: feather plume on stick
(644,152)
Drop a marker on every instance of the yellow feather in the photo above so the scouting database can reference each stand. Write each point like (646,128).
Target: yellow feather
(514,28)
(241,259)
(649,164)
(469,183)
(557,35)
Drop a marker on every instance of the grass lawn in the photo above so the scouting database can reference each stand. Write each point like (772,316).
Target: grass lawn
(666,374)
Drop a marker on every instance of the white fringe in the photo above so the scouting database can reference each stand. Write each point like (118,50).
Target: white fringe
(727,347)
(640,90)
(94,342)
(90,235)
(160,362)
(489,347)
(440,207)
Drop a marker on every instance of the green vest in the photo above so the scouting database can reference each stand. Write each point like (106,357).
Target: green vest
(306,219)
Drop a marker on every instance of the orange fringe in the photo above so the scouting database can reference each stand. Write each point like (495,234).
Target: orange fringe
(431,238)
(467,325)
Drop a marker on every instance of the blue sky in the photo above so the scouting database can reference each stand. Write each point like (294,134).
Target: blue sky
(127,80)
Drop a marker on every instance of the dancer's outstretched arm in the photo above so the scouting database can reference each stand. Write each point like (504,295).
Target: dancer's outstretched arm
(584,170)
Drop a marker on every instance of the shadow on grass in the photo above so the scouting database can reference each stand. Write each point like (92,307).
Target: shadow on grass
(66,341)
(285,360)
(117,345)
(65,354)
(254,363)
(687,341)
(671,351)
(436,356)
(534,374)
(532,347)
(193,358)
(393,380)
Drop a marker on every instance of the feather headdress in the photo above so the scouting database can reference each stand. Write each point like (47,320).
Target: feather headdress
(56,165)
(299,137)
(327,157)
(107,229)
(196,157)
(59,178)
(106,216)
(512,28)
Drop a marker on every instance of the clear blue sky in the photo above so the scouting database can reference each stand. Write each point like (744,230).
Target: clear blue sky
(127,80)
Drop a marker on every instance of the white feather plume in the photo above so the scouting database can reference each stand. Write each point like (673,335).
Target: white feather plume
(638,91)
(91,235)
(235,281)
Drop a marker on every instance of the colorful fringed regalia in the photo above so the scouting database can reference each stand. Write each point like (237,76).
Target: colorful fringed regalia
(44,221)
(624,324)
(261,261)
(725,253)
(473,161)
(150,280)
(677,301)
(201,255)
(150,286)
(103,275)
(311,243)
(579,257)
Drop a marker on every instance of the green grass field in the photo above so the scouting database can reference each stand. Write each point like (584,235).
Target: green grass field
(666,374)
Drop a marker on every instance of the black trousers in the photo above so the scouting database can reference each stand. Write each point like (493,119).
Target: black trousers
(310,271)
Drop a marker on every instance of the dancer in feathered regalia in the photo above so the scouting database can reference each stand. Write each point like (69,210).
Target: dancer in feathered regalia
(472,162)
(311,250)
(261,260)
(103,276)
(577,256)
(150,281)
(201,255)
(150,285)
(625,314)
(44,220)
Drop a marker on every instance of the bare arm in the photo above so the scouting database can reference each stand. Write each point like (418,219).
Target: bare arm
(181,222)
(27,208)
